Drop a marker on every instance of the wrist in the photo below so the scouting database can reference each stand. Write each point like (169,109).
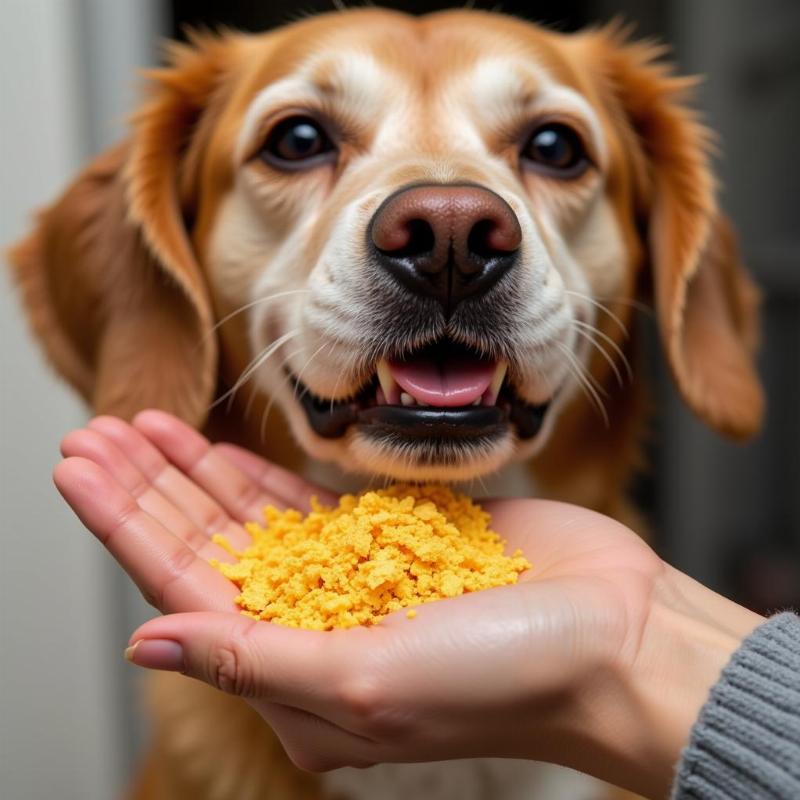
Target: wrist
(689,636)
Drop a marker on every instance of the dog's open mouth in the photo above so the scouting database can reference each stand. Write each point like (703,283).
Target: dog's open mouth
(442,391)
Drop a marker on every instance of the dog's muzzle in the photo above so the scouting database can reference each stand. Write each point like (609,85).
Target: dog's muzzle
(450,244)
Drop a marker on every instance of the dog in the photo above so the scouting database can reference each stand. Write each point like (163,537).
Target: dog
(418,243)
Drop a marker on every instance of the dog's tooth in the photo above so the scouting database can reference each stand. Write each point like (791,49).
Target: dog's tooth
(490,396)
(476,401)
(499,377)
(391,391)
(406,399)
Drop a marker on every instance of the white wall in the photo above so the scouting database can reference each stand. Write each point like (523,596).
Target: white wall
(65,80)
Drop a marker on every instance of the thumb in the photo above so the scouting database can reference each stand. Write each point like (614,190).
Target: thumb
(240,656)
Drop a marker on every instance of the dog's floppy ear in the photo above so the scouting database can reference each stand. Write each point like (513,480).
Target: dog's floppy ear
(706,305)
(108,276)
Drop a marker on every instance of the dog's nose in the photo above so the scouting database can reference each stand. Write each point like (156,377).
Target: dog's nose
(449,242)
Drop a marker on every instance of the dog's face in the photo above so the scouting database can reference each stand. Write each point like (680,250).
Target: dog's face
(417,217)
(422,237)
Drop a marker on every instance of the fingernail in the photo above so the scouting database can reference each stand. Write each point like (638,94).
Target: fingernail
(156,654)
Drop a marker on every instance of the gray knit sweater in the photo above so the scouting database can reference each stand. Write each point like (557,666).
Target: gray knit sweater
(745,744)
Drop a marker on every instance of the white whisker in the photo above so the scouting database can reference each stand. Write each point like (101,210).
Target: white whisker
(305,366)
(606,338)
(254,385)
(606,356)
(335,389)
(586,330)
(631,303)
(250,398)
(586,381)
(585,372)
(252,303)
(267,410)
(597,304)
(254,364)
(347,371)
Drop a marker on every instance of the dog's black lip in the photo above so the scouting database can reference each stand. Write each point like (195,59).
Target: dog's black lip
(331,420)
(428,422)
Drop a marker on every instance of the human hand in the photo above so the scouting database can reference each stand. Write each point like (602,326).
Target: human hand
(154,494)
(567,666)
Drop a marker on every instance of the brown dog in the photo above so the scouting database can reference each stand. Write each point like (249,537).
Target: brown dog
(419,240)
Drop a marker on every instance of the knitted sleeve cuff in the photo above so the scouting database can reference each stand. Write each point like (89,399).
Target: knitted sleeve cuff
(746,741)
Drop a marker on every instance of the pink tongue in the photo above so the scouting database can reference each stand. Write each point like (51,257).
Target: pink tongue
(455,383)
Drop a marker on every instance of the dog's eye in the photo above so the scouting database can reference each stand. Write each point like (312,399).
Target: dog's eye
(296,142)
(557,149)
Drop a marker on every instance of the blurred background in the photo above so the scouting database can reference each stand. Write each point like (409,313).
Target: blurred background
(726,514)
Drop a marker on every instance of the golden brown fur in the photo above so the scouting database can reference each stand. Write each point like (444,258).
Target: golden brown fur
(118,284)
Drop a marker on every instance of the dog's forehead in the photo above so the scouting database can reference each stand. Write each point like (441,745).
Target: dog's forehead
(375,65)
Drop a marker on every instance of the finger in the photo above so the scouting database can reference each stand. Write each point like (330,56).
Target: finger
(296,491)
(192,453)
(198,506)
(170,575)
(327,674)
(259,660)
(92,445)
(246,657)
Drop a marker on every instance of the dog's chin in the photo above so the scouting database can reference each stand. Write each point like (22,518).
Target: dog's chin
(429,459)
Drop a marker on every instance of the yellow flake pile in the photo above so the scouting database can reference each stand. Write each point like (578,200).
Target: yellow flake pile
(376,553)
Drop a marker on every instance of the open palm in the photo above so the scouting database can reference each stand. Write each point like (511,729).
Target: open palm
(491,673)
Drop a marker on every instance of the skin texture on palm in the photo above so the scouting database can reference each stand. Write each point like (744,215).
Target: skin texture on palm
(598,659)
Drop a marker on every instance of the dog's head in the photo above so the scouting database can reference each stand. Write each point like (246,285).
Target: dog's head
(422,237)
